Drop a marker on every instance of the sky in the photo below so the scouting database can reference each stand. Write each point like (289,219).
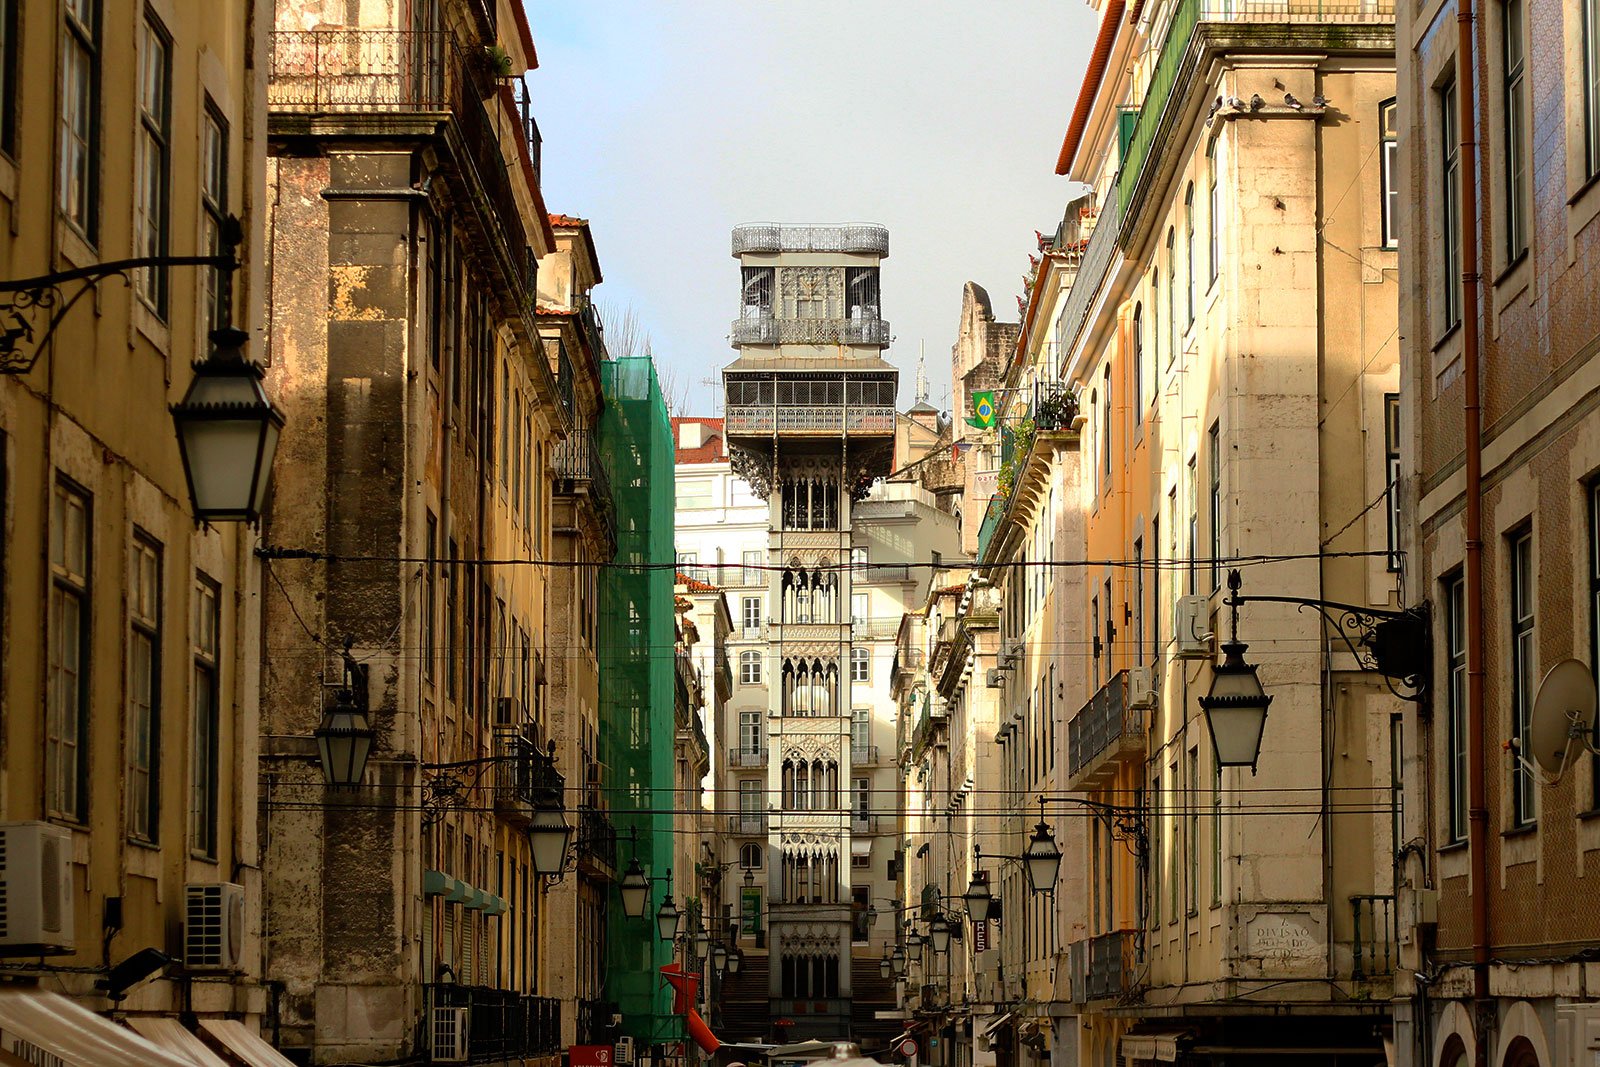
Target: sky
(668,122)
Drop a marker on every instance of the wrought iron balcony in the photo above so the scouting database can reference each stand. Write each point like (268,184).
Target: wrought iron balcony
(747,825)
(530,127)
(744,757)
(864,755)
(578,463)
(809,419)
(770,330)
(864,824)
(359,70)
(1102,966)
(1103,729)
(596,838)
(503,1024)
(863,238)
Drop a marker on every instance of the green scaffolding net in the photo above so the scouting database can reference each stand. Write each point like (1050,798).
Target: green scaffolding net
(636,684)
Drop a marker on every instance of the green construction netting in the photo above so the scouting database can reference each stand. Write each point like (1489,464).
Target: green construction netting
(636,683)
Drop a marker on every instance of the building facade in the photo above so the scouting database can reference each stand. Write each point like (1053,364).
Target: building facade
(404,917)
(1495,213)
(131,632)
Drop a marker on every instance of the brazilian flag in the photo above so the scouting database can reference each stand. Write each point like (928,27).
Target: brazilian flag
(982,410)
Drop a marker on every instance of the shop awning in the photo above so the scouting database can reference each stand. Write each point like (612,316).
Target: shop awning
(995,1023)
(1160,1046)
(244,1044)
(176,1038)
(72,1033)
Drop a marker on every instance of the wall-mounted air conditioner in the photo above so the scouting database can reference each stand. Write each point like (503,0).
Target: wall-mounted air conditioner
(35,889)
(1141,688)
(213,926)
(447,1035)
(1190,628)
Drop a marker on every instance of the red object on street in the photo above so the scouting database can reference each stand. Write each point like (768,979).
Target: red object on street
(701,1033)
(685,987)
(589,1055)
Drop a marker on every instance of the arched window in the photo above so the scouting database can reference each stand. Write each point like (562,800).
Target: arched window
(1137,369)
(750,857)
(1521,1053)
(1172,294)
(1191,275)
(750,667)
(1214,215)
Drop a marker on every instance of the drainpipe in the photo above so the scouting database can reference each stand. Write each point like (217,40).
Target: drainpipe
(1472,410)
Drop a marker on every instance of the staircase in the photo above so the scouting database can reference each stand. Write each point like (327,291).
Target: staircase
(871,992)
(744,1011)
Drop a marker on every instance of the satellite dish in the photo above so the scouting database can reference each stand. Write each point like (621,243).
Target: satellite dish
(1564,709)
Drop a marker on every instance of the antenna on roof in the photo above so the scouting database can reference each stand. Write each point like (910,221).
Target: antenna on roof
(922,373)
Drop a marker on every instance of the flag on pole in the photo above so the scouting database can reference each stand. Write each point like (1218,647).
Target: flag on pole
(982,410)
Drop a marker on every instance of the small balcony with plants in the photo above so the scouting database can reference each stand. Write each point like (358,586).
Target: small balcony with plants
(1026,449)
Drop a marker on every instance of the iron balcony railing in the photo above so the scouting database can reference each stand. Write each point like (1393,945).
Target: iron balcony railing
(563,376)
(1093,268)
(577,460)
(1373,944)
(530,127)
(1186,16)
(863,824)
(1101,724)
(502,1023)
(747,825)
(748,420)
(864,755)
(773,237)
(594,1021)
(593,330)
(597,838)
(1054,406)
(747,757)
(1111,965)
(992,515)
(770,330)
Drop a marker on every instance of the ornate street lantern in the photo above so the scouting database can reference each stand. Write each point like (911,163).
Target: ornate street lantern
(1236,707)
(1041,859)
(668,919)
(979,899)
(227,433)
(939,933)
(344,740)
(897,961)
(735,960)
(550,834)
(634,889)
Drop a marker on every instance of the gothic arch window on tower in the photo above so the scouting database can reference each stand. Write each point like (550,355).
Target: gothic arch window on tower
(810,504)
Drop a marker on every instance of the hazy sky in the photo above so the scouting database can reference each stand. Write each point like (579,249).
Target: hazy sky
(667,122)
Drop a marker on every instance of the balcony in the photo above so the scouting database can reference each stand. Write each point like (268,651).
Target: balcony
(514,776)
(864,755)
(770,330)
(1372,948)
(810,419)
(593,330)
(1177,59)
(502,1023)
(744,757)
(1103,731)
(747,825)
(1102,967)
(577,462)
(530,128)
(596,839)
(860,238)
(864,824)
(562,372)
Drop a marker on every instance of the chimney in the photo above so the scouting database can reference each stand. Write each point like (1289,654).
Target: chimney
(691,434)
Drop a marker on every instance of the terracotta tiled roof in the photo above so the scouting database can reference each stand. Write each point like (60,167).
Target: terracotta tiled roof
(695,585)
(567,220)
(712,447)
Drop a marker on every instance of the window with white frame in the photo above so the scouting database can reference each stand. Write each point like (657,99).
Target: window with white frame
(858,609)
(860,658)
(860,732)
(1449,284)
(78,189)
(752,568)
(153,160)
(1172,295)
(750,733)
(750,667)
(1514,99)
(67,701)
(862,798)
(1214,214)
(1214,500)
(750,856)
(1455,763)
(1191,276)
(750,610)
(1589,12)
(1389,172)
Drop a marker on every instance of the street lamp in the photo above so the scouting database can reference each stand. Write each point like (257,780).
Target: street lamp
(668,919)
(702,944)
(634,889)
(939,933)
(885,965)
(344,740)
(979,899)
(719,959)
(1042,858)
(1236,707)
(897,961)
(227,433)
(550,834)
(749,877)
(735,960)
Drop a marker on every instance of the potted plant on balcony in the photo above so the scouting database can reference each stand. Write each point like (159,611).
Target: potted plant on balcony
(496,61)
(1057,410)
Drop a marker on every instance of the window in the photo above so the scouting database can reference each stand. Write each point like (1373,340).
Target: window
(430,592)
(1522,668)
(1591,87)
(750,668)
(1449,209)
(860,733)
(1515,100)
(1214,215)
(203,769)
(1155,589)
(78,192)
(1094,648)
(1214,500)
(859,659)
(858,560)
(1138,595)
(1157,852)
(752,568)
(214,200)
(858,609)
(67,732)
(1190,274)
(1105,429)
(1594,625)
(750,730)
(10,44)
(750,610)
(1391,453)
(1136,343)
(1172,295)
(1155,314)
(757,291)
(1216,835)
(1389,172)
(144,689)
(1192,490)
(861,292)
(153,161)
(1191,843)
(749,797)
(750,855)
(861,798)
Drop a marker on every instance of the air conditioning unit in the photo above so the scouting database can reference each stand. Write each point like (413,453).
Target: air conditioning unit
(447,1036)
(994,679)
(35,890)
(624,1050)
(1189,627)
(1141,688)
(213,926)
